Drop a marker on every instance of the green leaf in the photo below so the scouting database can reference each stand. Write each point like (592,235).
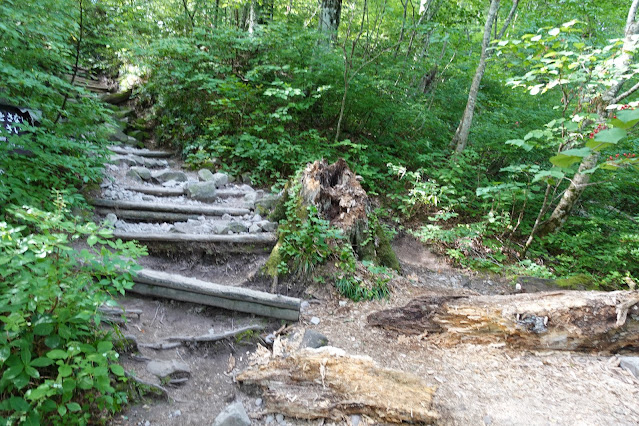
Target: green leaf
(626,118)
(546,174)
(117,370)
(74,407)
(65,370)
(43,329)
(19,404)
(62,410)
(569,157)
(612,136)
(57,354)
(41,362)
(104,346)
(12,372)
(92,240)
(520,143)
(5,352)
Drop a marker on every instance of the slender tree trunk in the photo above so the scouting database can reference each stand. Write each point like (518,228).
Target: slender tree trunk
(253,17)
(579,182)
(463,130)
(330,15)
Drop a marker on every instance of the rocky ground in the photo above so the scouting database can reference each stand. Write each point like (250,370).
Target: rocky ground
(224,238)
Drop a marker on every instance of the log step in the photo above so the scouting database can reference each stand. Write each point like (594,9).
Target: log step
(161,284)
(161,191)
(141,152)
(261,239)
(198,209)
(144,216)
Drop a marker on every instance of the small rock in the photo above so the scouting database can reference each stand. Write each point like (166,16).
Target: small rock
(315,320)
(233,415)
(269,419)
(517,287)
(250,198)
(237,227)
(257,218)
(279,418)
(147,423)
(246,178)
(220,179)
(254,229)
(269,339)
(258,402)
(355,419)
(171,369)
(205,175)
(304,305)
(267,226)
(313,339)
(630,363)
(154,162)
(342,303)
(111,218)
(140,173)
(202,191)
(170,184)
(147,198)
(168,174)
(268,201)
(226,216)
(488,420)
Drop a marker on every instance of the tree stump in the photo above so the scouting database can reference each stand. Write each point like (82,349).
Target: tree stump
(335,191)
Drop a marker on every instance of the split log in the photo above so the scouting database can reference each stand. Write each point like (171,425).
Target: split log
(187,289)
(564,320)
(141,152)
(327,383)
(200,209)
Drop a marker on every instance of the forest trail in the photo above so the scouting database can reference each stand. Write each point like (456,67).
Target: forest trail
(218,237)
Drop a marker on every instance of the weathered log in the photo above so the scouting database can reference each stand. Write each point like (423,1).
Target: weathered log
(145,216)
(187,289)
(564,320)
(261,239)
(327,383)
(209,338)
(161,191)
(200,209)
(141,152)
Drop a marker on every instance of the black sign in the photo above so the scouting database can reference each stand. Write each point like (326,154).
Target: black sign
(11,119)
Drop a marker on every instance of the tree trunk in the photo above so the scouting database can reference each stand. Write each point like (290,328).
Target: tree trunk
(330,15)
(463,130)
(579,182)
(253,17)
(563,320)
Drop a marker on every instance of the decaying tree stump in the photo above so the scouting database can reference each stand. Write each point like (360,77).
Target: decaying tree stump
(339,198)
(327,383)
(564,320)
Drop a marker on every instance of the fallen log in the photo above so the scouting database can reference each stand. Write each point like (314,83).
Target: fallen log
(144,216)
(159,191)
(209,338)
(327,383)
(187,289)
(141,152)
(564,320)
(261,239)
(201,209)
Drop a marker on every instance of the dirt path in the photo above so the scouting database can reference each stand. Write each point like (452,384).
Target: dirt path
(475,384)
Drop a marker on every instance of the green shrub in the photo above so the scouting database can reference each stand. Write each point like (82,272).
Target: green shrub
(58,364)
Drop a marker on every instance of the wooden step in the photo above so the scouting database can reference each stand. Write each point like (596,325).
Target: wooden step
(160,191)
(177,287)
(261,239)
(141,152)
(198,209)
(145,216)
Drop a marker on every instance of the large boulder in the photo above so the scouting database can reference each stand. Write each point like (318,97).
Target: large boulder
(168,174)
(233,415)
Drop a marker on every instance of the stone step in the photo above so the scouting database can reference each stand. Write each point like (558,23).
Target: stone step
(178,287)
(141,152)
(197,209)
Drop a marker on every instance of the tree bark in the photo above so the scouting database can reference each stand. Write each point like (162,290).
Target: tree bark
(330,15)
(563,320)
(460,140)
